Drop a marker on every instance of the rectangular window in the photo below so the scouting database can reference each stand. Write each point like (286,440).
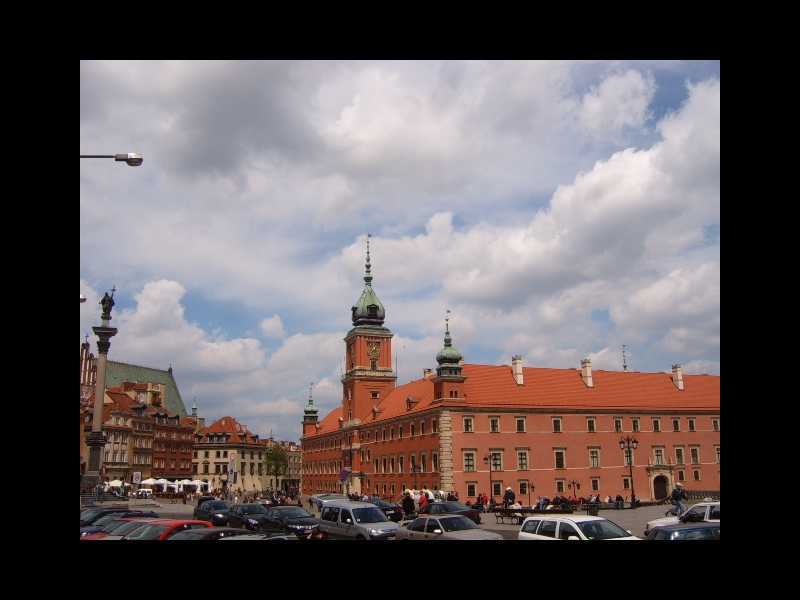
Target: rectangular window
(628,454)
(556,424)
(422,427)
(435,462)
(412,461)
(626,483)
(658,456)
(375,470)
(469,461)
(560,486)
(412,430)
(435,425)
(695,452)
(523,488)
(657,425)
(400,432)
(679,456)
(497,461)
(676,424)
(590,425)
(520,424)
(635,424)
(715,424)
(399,464)
(681,476)
(595,484)
(560,462)
(391,465)
(522,460)
(391,433)
(471,490)
(696,473)
(618,425)
(716,450)
(423,462)
(497,487)
(467,425)
(494,424)
(594,458)
(691,425)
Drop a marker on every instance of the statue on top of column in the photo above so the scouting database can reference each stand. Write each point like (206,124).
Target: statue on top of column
(107,302)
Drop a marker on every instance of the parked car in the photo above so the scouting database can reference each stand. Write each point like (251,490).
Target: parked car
(143,493)
(359,520)
(289,519)
(451,508)
(249,516)
(208,535)
(572,528)
(269,537)
(91,515)
(702,512)
(202,499)
(112,520)
(685,531)
(163,529)
(216,511)
(126,526)
(445,527)
(318,499)
(393,512)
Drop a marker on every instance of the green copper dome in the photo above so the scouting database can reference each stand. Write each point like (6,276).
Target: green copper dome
(449,355)
(368,310)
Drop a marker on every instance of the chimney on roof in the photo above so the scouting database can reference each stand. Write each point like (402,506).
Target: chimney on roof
(516,368)
(677,376)
(427,373)
(586,372)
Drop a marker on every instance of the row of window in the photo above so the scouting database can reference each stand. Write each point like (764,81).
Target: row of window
(591,424)
(115,457)
(160,463)
(323,467)
(560,458)
(387,434)
(396,464)
(221,469)
(142,459)
(224,454)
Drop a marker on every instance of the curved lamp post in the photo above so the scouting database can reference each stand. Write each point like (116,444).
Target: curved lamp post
(629,444)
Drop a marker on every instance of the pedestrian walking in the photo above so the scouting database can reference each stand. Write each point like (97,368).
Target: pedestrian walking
(677,497)
(508,497)
(407,504)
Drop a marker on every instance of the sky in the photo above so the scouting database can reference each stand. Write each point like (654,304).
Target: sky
(558,209)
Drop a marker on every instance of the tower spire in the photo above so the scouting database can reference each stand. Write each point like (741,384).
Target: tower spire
(368,265)
(448,341)
(310,396)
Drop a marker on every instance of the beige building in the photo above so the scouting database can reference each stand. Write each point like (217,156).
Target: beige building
(228,456)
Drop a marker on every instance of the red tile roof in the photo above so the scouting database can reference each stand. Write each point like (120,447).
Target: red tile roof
(494,386)
(238,433)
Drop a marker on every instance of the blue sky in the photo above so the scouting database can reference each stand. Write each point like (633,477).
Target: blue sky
(559,209)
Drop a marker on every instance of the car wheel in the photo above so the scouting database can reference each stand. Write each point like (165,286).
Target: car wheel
(360,537)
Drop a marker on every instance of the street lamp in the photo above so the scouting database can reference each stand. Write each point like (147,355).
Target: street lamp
(83,298)
(488,460)
(131,158)
(629,444)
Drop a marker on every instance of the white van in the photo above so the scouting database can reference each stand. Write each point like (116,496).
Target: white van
(144,493)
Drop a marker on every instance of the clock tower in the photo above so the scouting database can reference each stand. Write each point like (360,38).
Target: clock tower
(368,376)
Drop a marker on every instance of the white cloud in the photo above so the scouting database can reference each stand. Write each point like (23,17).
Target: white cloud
(620,101)
(273,327)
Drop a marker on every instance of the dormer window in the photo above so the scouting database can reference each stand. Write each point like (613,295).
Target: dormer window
(372,310)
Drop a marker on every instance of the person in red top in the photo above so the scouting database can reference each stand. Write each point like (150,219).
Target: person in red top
(423,501)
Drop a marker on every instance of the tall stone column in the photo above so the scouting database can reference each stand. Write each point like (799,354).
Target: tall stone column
(446,482)
(96,440)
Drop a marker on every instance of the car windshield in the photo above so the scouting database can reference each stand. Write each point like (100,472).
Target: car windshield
(454,506)
(293,513)
(602,530)
(253,509)
(369,515)
(126,528)
(103,520)
(188,535)
(110,526)
(89,515)
(457,524)
(148,532)
(215,506)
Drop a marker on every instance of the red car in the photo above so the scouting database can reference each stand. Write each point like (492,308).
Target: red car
(123,527)
(162,529)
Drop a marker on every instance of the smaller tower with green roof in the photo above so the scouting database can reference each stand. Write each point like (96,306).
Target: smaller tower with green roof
(449,380)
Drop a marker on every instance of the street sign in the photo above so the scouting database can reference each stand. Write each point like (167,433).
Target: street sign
(137,477)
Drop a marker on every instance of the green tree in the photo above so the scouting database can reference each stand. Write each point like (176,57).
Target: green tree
(276,462)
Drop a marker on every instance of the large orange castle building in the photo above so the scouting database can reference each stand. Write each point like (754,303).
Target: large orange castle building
(482,428)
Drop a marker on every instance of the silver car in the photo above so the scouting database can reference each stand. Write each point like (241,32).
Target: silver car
(358,520)
(445,527)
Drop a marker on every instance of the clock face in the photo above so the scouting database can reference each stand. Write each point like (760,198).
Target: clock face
(374,350)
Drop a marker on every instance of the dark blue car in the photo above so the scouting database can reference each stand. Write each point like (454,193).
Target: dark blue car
(685,531)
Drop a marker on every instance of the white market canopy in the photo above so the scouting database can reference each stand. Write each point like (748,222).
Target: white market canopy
(115,483)
(150,481)
(186,482)
(161,482)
